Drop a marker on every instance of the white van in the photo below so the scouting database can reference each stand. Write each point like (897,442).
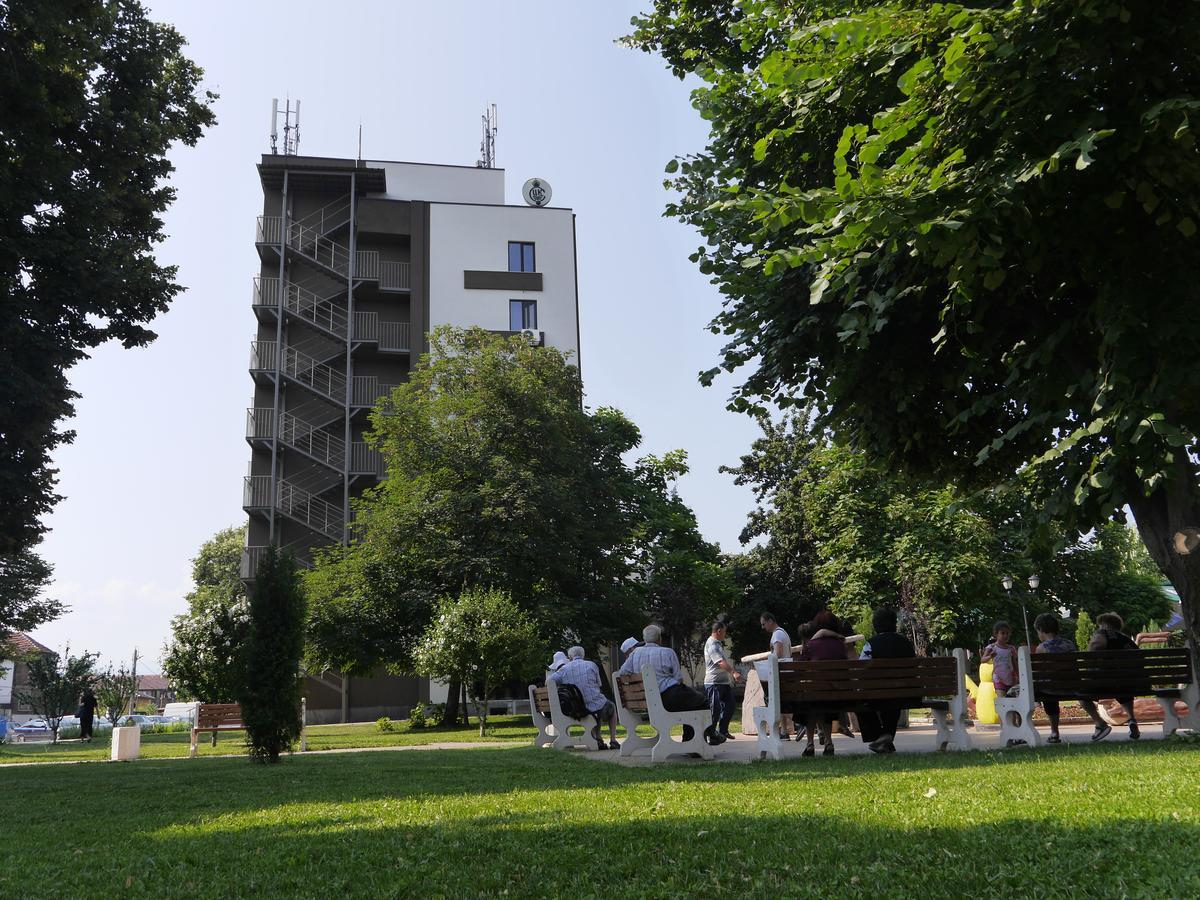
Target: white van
(184,712)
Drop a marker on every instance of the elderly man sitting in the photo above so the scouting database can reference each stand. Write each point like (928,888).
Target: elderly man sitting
(585,675)
(676,696)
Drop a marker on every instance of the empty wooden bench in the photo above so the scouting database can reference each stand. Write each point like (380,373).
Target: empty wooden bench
(1165,674)
(935,683)
(554,725)
(639,702)
(213,718)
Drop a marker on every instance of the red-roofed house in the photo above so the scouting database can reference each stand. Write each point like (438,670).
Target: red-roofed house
(14,679)
(155,689)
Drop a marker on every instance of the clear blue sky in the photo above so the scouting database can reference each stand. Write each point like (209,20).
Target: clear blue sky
(158,461)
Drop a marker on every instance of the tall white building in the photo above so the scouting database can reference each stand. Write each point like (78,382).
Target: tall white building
(359,261)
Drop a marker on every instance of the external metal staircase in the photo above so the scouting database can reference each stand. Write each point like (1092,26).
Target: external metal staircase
(315,401)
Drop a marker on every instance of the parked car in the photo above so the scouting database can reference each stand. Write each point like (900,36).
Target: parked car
(138,719)
(33,726)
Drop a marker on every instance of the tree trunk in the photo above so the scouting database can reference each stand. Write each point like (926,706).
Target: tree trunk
(483,711)
(451,716)
(1160,517)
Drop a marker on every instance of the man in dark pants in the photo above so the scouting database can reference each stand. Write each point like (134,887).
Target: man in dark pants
(877,724)
(719,676)
(676,696)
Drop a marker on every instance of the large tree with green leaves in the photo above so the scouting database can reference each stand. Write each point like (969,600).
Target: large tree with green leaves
(967,232)
(92,96)
(498,477)
(680,574)
(201,659)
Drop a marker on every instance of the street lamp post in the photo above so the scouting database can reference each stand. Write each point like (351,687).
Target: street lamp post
(1007,582)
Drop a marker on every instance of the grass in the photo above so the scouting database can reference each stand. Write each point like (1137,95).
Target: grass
(1096,821)
(518,729)
(320,737)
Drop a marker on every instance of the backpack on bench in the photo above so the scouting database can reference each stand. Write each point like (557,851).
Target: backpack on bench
(570,699)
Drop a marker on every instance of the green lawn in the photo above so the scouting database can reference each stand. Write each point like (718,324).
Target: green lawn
(320,737)
(1115,820)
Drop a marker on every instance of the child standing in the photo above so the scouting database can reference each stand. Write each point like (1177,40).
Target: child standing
(1003,657)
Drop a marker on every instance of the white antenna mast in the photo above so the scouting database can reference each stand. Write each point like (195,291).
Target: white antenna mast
(291,127)
(487,147)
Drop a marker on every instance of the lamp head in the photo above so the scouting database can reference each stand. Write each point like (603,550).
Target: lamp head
(1034,581)
(1007,581)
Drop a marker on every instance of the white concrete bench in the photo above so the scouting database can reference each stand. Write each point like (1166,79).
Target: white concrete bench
(834,685)
(554,725)
(640,702)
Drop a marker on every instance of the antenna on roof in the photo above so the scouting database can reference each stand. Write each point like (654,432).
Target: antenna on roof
(291,128)
(359,157)
(487,147)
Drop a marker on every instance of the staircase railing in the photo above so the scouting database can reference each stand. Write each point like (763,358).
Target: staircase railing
(393,276)
(302,303)
(364,459)
(368,390)
(294,502)
(393,336)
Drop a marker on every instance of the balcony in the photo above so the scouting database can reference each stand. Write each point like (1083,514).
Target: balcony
(394,276)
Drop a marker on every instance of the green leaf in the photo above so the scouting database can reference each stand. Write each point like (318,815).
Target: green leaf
(672,167)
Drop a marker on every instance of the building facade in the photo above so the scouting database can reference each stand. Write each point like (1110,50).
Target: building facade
(358,261)
(14,676)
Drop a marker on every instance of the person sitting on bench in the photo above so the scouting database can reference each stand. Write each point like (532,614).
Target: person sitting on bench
(1110,635)
(821,643)
(676,696)
(878,723)
(1051,641)
(585,675)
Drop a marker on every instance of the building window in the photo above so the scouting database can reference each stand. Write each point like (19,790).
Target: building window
(522,314)
(520,257)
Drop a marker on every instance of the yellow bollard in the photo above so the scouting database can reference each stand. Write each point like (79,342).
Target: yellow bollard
(985,697)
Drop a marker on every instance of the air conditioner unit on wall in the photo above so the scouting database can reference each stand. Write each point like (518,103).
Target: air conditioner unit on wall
(532,335)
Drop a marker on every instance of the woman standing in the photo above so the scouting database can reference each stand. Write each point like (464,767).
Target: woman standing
(87,714)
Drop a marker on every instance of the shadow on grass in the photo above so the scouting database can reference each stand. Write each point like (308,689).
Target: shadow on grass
(651,851)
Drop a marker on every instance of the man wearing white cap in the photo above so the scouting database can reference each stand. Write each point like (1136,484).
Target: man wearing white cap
(627,646)
(585,675)
(676,696)
(559,660)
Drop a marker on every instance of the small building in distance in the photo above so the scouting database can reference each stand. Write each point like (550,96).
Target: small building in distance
(14,679)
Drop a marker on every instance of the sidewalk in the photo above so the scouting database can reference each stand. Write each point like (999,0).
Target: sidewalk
(916,739)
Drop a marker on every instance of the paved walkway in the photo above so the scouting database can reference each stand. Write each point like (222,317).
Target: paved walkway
(916,739)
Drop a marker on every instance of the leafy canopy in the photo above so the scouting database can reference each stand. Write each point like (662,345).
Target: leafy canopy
(201,658)
(55,684)
(498,477)
(966,232)
(92,96)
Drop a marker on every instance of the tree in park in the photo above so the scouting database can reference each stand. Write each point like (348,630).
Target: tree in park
(55,685)
(498,477)
(270,658)
(92,95)
(878,537)
(967,233)
(116,690)
(680,574)
(482,639)
(201,658)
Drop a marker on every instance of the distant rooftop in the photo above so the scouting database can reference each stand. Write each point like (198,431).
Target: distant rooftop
(23,643)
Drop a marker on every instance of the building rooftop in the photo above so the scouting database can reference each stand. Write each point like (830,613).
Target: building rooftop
(23,643)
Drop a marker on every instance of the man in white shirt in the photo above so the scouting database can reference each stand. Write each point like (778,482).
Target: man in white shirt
(585,675)
(781,644)
(719,676)
(676,696)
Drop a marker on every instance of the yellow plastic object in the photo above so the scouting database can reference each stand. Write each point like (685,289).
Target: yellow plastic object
(972,687)
(985,697)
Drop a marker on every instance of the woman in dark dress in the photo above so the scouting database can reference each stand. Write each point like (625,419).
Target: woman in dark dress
(87,714)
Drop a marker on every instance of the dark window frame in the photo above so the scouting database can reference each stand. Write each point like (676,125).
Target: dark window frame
(521,306)
(526,247)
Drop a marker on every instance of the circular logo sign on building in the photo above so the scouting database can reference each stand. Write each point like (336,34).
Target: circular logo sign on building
(537,192)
